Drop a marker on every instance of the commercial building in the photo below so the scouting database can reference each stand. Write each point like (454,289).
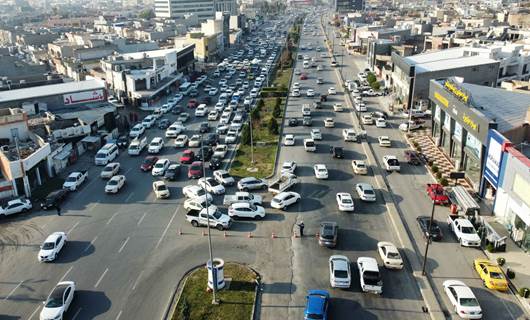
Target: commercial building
(204,9)
(464,114)
(349,5)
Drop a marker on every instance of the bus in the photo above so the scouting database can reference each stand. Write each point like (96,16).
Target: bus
(185,88)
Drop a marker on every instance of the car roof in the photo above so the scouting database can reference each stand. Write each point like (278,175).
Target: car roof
(241,205)
(462,290)
(365,185)
(247,179)
(53,237)
(340,262)
(369,264)
(58,291)
(316,301)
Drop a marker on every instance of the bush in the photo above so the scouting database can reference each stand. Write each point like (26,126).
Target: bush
(501,261)
(418,149)
(431,163)
(524,292)
(415,144)
(489,247)
(260,104)
(510,274)
(255,114)
(277,111)
(435,168)
(375,85)
(371,78)
(444,182)
(438,175)
(245,135)
(273,126)
(278,101)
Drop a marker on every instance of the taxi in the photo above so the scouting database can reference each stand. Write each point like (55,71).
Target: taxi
(491,274)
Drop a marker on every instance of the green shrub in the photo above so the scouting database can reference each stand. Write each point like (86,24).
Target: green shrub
(438,175)
(490,247)
(501,261)
(510,274)
(524,292)
(273,126)
(255,114)
(277,111)
(444,182)
(375,85)
(245,135)
(418,149)
(415,144)
(278,101)
(260,104)
(431,163)
(435,168)
(371,78)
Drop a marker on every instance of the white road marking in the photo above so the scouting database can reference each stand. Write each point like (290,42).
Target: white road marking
(93,206)
(72,228)
(76,314)
(165,230)
(119,314)
(101,278)
(123,245)
(90,244)
(141,219)
(34,312)
(129,197)
(115,214)
(137,280)
(127,171)
(13,291)
(66,273)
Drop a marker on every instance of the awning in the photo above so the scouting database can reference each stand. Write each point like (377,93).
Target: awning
(161,86)
(91,139)
(63,155)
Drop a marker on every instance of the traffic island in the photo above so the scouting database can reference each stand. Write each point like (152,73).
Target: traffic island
(236,299)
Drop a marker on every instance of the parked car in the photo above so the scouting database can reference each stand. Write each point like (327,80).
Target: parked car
(188,156)
(366,192)
(54,199)
(436,231)
(161,190)
(317,303)
(328,234)
(110,170)
(437,194)
(251,183)
(148,163)
(369,275)
(491,274)
(339,271)
(284,199)
(15,206)
(195,170)
(172,172)
(115,184)
(246,210)
(359,167)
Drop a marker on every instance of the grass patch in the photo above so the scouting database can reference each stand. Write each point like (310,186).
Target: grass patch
(264,156)
(236,302)
(282,78)
(48,186)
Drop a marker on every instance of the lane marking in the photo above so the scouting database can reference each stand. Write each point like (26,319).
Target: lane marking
(72,228)
(101,278)
(13,291)
(127,171)
(123,245)
(34,312)
(137,280)
(76,314)
(141,219)
(90,244)
(129,197)
(94,206)
(167,227)
(119,313)
(110,220)
(66,273)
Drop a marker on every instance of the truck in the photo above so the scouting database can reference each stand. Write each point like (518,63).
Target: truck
(136,146)
(463,230)
(75,179)
(218,220)
(283,183)
(242,197)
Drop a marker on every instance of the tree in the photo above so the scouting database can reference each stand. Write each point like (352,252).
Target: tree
(255,115)
(371,78)
(245,135)
(147,14)
(260,104)
(277,102)
(375,85)
(273,126)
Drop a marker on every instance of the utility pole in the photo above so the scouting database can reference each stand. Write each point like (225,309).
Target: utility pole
(251,139)
(429,240)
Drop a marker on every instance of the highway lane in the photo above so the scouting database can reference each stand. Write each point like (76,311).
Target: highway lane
(408,189)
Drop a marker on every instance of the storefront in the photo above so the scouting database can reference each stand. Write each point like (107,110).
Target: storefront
(460,129)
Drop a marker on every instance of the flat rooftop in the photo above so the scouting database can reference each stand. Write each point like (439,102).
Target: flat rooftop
(445,59)
(49,90)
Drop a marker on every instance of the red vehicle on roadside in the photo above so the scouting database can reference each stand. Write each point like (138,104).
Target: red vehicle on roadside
(193,103)
(437,194)
(187,157)
(148,163)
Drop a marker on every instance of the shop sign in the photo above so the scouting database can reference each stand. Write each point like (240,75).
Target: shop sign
(441,99)
(472,124)
(455,90)
(494,157)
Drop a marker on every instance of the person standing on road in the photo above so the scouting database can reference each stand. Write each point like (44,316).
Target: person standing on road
(301,228)
(58,208)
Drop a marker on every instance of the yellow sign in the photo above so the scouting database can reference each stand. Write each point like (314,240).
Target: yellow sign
(441,99)
(467,120)
(451,87)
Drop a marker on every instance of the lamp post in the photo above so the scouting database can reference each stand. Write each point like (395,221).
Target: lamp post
(413,84)
(214,279)
(429,240)
(251,139)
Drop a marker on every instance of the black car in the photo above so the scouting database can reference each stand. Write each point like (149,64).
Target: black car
(413,157)
(216,163)
(211,139)
(172,172)
(122,142)
(204,127)
(176,109)
(307,121)
(163,124)
(337,152)
(293,122)
(208,152)
(436,232)
(53,199)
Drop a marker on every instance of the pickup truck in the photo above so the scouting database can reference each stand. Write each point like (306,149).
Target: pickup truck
(218,220)
(437,194)
(464,231)
(242,197)
(75,179)
(136,146)
(286,181)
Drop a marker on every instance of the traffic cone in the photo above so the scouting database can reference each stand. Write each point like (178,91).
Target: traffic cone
(180,231)
(249,235)
(317,235)
(273,235)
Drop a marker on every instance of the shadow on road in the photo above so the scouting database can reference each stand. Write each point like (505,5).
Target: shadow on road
(89,304)
(74,250)
(279,288)
(340,307)
(362,242)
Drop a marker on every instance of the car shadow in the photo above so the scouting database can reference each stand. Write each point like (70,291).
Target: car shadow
(243,226)
(89,304)
(339,307)
(74,250)
(362,242)
(278,288)
(339,175)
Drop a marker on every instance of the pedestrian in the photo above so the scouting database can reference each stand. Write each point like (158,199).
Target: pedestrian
(301,228)
(58,210)
(331,149)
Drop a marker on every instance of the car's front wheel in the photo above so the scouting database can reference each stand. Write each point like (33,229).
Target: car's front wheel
(220,227)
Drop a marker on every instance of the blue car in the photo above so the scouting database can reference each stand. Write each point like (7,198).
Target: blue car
(316,305)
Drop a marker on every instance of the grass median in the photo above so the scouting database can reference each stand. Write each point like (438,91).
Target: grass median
(236,301)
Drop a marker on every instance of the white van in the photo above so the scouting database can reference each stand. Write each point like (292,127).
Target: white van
(106,154)
(136,146)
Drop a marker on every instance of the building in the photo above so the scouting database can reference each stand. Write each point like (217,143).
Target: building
(464,114)
(229,6)
(206,49)
(204,9)
(343,6)
(411,75)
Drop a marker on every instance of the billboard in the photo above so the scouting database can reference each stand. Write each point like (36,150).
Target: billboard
(494,156)
(83,97)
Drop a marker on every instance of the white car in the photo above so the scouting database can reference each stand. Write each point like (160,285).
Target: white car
(52,246)
(160,189)
(174,129)
(288,167)
(332,90)
(160,167)
(231,137)
(196,192)
(366,192)
(329,123)
(193,204)
(213,91)
(219,106)
(211,185)
(16,206)
(223,177)
(149,121)
(367,119)
(136,131)
(156,145)
(178,97)
(295,93)
(384,141)
(369,275)
(359,167)
(310,93)
(58,301)
(115,184)
(349,135)
(194,141)
(284,199)
(201,110)
(345,201)
(213,115)
(220,150)
(339,271)
(337,107)
(110,170)
(306,110)
(296,85)
(380,122)
(181,141)
(391,163)
(246,210)
(309,145)
(463,300)
(166,107)
(390,255)
(316,134)
(321,172)
(289,140)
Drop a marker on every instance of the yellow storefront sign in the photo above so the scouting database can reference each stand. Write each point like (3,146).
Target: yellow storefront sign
(472,124)
(451,87)
(441,99)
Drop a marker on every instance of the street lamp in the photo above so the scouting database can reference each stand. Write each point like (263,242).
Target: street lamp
(413,84)
(429,240)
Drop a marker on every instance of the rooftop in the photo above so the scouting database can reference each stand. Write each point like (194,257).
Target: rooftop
(444,59)
(50,90)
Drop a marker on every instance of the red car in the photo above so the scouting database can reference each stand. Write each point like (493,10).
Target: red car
(192,103)
(303,76)
(195,170)
(187,156)
(437,194)
(148,163)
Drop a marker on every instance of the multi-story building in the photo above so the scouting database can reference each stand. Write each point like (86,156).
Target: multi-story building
(349,5)
(179,8)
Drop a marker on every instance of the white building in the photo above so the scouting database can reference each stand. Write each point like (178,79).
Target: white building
(204,9)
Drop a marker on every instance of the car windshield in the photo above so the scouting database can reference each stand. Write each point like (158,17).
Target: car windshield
(217,214)
(371,277)
(161,187)
(360,165)
(393,162)
(159,165)
(195,167)
(496,275)
(346,200)
(469,302)
(201,192)
(213,183)
(101,155)
(107,169)
(148,161)
(309,143)
(315,316)
(48,245)
(369,192)
(341,274)
(113,182)
(54,302)
(71,179)
(468,230)
(393,255)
